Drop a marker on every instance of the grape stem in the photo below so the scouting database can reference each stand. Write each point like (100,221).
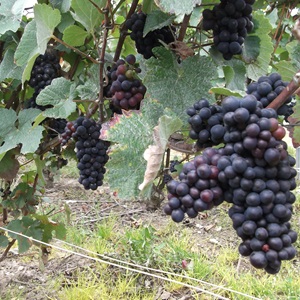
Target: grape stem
(101,53)
(123,30)
(286,93)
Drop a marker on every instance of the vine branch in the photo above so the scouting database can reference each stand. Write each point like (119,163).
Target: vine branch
(184,27)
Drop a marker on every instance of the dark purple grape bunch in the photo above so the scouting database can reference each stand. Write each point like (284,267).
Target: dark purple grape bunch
(255,173)
(206,123)
(267,88)
(124,87)
(91,152)
(257,176)
(46,67)
(198,189)
(145,44)
(230,21)
(261,211)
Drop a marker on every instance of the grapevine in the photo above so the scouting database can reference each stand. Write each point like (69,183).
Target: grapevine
(125,83)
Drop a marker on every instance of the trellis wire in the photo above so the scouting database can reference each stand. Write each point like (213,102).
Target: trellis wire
(131,269)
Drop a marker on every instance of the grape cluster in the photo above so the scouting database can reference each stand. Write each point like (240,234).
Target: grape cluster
(258,177)
(46,67)
(206,123)
(230,21)
(125,89)
(90,152)
(144,45)
(198,189)
(254,172)
(267,88)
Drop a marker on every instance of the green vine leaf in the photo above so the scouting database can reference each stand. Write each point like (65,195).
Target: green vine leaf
(24,134)
(286,69)
(60,94)
(226,92)
(3,241)
(177,86)
(28,46)
(258,47)
(90,88)
(28,227)
(8,68)
(156,20)
(126,167)
(132,133)
(177,7)
(62,5)
(87,14)
(294,50)
(75,35)
(46,20)
(48,227)
(11,15)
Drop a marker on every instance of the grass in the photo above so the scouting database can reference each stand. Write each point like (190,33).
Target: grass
(165,249)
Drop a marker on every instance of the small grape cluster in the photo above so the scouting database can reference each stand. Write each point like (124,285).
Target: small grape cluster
(46,67)
(90,151)
(231,21)
(267,88)
(198,189)
(144,45)
(125,89)
(254,172)
(206,123)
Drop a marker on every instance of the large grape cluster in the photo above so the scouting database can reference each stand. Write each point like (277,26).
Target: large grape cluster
(90,151)
(254,172)
(46,67)
(145,44)
(267,88)
(124,88)
(206,123)
(230,21)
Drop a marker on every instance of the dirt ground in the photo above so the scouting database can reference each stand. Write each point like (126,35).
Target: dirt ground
(36,281)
